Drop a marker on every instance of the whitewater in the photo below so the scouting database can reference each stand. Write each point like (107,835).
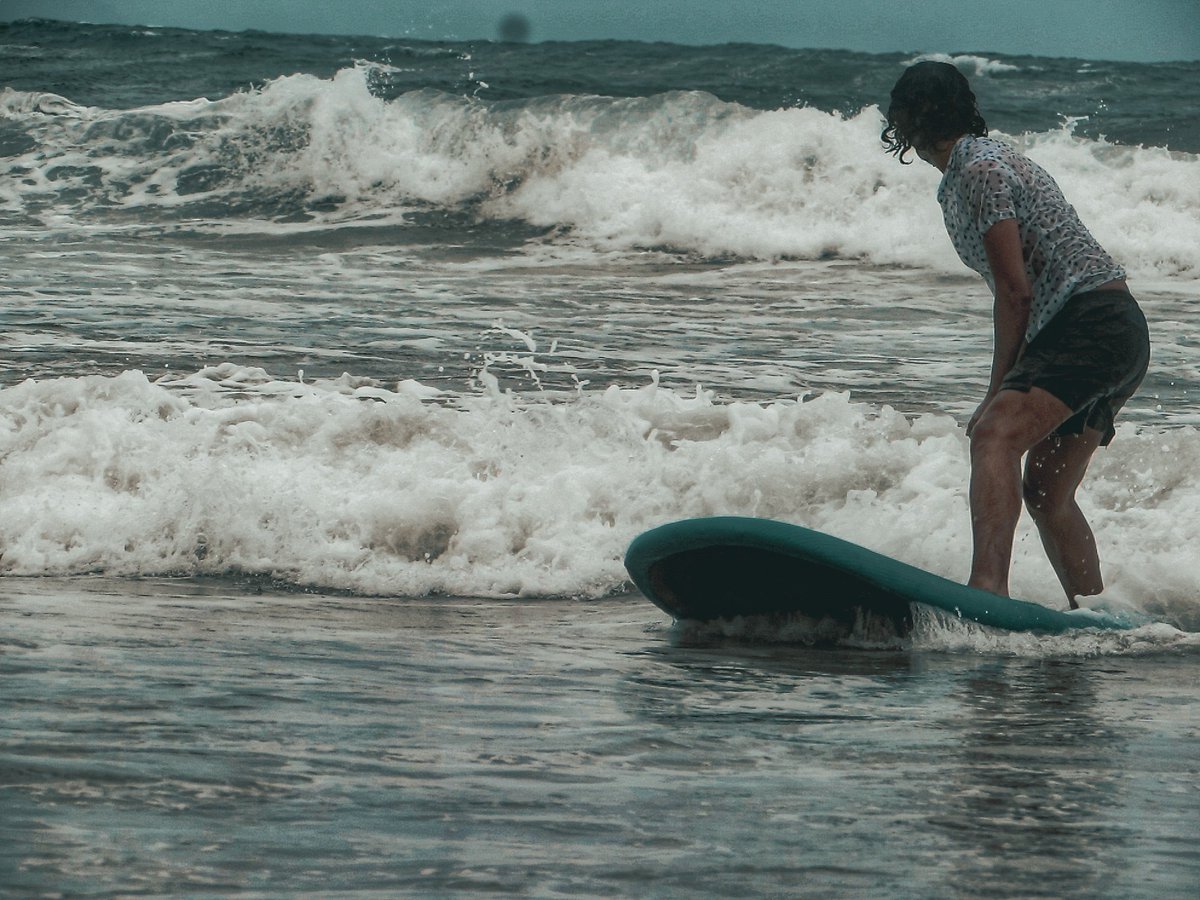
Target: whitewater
(438,344)
(337,374)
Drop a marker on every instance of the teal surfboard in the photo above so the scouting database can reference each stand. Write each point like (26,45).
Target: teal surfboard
(723,567)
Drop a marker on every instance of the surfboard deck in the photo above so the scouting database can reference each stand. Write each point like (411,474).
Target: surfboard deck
(729,566)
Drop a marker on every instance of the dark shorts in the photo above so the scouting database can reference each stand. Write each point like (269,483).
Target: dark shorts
(1092,356)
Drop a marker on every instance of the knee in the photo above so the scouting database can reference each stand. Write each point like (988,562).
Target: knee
(994,434)
(1044,495)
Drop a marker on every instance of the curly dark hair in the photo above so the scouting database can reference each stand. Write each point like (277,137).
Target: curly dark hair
(931,102)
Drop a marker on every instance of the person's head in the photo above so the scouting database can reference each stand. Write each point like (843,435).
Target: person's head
(931,103)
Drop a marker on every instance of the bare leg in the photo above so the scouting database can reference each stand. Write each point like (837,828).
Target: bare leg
(1053,472)
(1013,422)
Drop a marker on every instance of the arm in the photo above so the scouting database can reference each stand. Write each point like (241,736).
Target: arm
(1010,314)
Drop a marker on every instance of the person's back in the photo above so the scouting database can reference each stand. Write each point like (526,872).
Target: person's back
(988,181)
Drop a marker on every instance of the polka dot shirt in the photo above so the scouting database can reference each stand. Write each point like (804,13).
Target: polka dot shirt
(987,181)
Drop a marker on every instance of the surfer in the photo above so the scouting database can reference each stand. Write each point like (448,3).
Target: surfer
(1070,343)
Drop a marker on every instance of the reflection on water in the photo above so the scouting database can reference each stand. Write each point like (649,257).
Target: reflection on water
(1033,789)
(973,779)
(202,737)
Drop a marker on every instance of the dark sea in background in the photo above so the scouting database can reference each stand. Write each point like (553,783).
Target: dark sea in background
(117,67)
(336,374)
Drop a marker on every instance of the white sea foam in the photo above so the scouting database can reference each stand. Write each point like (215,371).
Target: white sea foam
(684,171)
(971,65)
(411,491)
(934,631)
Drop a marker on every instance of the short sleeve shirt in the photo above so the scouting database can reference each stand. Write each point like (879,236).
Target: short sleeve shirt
(987,181)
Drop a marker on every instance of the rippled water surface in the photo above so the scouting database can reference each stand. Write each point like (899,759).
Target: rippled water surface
(195,737)
(537,320)
(336,376)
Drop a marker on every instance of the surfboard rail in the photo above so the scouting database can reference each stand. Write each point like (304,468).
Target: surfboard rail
(726,566)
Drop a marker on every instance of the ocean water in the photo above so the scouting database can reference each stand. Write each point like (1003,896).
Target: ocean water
(336,375)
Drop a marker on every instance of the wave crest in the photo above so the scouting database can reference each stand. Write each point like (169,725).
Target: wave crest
(350,485)
(682,170)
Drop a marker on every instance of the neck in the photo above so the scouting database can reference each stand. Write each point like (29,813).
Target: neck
(939,155)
